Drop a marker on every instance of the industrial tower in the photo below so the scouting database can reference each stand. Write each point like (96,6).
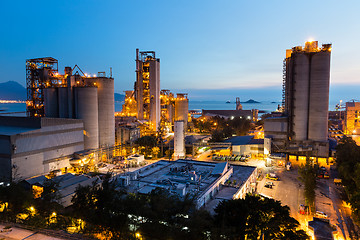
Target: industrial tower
(147,88)
(306,95)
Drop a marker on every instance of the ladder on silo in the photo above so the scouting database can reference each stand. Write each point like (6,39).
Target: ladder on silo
(284,85)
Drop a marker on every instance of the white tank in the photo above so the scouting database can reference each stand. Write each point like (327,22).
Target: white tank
(86,108)
(179,140)
(181,109)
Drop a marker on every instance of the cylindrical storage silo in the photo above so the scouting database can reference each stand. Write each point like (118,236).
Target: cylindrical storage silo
(51,106)
(63,101)
(86,108)
(106,107)
(179,140)
(319,96)
(300,74)
(181,109)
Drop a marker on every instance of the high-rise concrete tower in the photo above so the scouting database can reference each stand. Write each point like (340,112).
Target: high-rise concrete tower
(147,88)
(306,92)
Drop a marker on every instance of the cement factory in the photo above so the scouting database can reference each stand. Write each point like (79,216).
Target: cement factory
(72,129)
(71,117)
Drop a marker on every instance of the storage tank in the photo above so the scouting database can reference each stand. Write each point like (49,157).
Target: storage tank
(51,105)
(319,96)
(154,86)
(63,101)
(300,65)
(86,108)
(179,140)
(181,108)
(106,107)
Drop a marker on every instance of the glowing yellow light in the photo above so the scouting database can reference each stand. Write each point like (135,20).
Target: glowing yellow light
(53,214)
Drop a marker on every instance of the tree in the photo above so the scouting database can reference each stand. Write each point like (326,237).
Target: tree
(147,143)
(254,217)
(17,199)
(308,175)
(348,165)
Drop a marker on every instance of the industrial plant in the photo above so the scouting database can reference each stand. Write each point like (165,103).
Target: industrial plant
(74,95)
(302,129)
(152,107)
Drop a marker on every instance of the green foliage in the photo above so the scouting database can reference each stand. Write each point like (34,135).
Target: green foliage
(348,165)
(147,143)
(253,217)
(224,128)
(111,211)
(18,200)
(307,175)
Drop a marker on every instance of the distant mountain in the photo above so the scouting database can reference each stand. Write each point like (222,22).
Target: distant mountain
(119,97)
(251,101)
(12,91)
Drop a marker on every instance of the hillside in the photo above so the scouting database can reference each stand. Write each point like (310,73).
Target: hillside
(12,91)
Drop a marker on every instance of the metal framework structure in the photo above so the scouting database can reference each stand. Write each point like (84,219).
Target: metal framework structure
(40,73)
(142,87)
(284,85)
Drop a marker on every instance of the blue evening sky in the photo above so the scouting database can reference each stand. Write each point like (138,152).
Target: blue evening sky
(232,45)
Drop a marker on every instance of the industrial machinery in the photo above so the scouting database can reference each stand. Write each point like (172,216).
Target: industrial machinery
(147,88)
(40,73)
(72,95)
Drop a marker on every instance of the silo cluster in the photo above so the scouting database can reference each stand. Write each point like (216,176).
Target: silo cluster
(90,99)
(307,83)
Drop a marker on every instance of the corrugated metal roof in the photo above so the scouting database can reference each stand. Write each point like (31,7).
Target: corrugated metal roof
(220,168)
(240,140)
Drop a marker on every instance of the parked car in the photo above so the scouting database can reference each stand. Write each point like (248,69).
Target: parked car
(272,176)
(320,214)
(269,184)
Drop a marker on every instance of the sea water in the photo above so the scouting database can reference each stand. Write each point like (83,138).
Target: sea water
(19,108)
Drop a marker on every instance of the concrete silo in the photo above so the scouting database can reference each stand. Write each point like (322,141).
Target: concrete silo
(51,105)
(182,108)
(319,96)
(106,108)
(306,96)
(86,108)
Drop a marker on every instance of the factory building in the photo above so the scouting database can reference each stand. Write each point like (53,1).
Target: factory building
(35,146)
(352,118)
(208,183)
(76,96)
(304,124)
(147,88)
